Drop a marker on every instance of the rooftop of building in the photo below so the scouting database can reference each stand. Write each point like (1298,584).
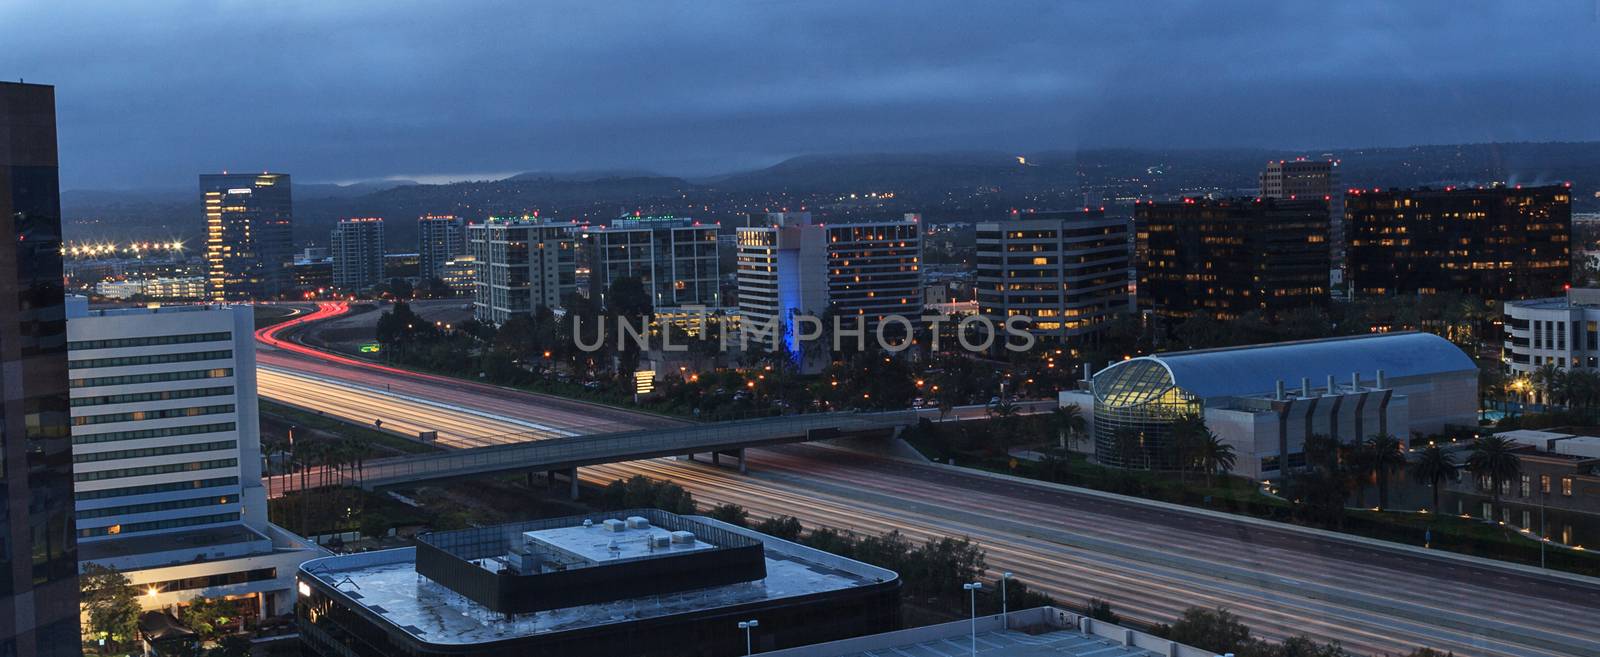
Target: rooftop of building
(1583,297)
(1256,369)
(123,546)
(387,586)
(77,307)
(1569,443)
(1037,632)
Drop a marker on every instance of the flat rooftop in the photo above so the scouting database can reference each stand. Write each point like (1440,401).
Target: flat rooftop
(124,546)
(599,545)
(385,584)
(1010,643)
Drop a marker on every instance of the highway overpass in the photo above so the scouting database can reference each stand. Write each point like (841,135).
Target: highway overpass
(566,454)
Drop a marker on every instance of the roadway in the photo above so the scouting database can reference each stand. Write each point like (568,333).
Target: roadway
(1149,563)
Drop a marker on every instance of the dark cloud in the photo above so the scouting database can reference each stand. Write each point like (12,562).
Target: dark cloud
(151,93)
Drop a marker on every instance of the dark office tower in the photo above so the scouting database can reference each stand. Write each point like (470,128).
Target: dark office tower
(1306,179)
(249,241)
(439,238)
(1496,243)
(1228,257)
(38,550)
(1066,270)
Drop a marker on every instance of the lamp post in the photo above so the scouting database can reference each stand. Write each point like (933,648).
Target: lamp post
(747,626)
(972,590)
(1005,612)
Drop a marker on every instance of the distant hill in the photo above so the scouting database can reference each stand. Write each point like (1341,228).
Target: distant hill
(944,186)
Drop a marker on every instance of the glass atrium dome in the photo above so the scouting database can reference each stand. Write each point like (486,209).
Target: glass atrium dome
(1135,404)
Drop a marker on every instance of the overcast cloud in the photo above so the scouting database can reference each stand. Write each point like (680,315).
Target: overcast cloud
(151,93)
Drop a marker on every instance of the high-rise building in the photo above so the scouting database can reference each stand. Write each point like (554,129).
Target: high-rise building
(1228,257)
(357,246)
(439,238)
(249,234)
(1068,271)
(790,266)
(523,263)
(1495,243)
(38,542)
(166,457)
(675,258)
(1307,179)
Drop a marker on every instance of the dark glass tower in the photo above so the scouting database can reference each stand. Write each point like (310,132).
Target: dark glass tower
(249,234)
(38,551)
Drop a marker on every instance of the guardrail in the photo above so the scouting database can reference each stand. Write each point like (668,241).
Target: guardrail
(573,451)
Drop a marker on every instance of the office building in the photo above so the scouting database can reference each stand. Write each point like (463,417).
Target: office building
(166,457)
(1494,243)
(1559,331)
(1068,271)
(459,273)
(523,263)
(357,248)
(639,583)
(439,238)
(860,272)
(675,258)
(1229,257)
(188,288)
(312,276)
(1307,179)
(249,240)
(1556,494)
(1264,400)
(39,562)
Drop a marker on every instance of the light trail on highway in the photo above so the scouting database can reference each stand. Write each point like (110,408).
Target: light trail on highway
(1150,564)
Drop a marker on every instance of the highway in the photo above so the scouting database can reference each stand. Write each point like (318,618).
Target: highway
(1149,563)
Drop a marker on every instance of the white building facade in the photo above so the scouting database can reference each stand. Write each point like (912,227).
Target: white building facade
(167,456)
(357,246)
(522,263)
(1562,331)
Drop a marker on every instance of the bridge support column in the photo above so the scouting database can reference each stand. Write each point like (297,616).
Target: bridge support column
(716,458)
(744,465)
(573,476)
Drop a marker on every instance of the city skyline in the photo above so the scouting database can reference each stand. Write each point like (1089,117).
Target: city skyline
(665,89)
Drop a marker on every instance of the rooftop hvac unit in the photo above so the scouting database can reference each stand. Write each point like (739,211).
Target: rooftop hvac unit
(683,538)
(638,522)
(614,525)
(661,541)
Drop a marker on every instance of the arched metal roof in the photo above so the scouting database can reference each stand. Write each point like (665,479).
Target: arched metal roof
(1256,369)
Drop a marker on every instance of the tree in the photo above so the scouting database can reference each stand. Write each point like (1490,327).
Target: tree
(785,527)
(1318,496)
(732,514)
(1186,435)
(1217,630)
(208,618)
(1494,457)
(1100,610)
(1387,456)
(1214,455)
(1129,446)
(1069,423)
(1434,465)
(111,603)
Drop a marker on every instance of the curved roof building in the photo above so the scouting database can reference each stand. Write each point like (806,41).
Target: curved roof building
(1267,398)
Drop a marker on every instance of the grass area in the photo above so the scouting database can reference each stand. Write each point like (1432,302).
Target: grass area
(389,442)
(1241,496)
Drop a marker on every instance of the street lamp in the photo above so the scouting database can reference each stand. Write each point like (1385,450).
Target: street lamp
(1004,612)
(972,589)
(747,626)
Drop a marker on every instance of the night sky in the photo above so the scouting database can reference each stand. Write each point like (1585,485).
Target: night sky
(152,93)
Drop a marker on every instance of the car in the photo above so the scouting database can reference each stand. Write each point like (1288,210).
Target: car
(918,403)
(994,401)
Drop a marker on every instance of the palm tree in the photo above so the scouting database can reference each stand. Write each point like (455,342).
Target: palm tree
(1069,423)
(1322,451)
(1213,455)
(1496,458)
(1129,446)
(1434,465)
(1550,381)
(1387,456)
(1357,460)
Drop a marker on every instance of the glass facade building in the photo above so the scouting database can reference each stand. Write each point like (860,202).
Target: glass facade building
(1135,404)
(249,241)
(38,548)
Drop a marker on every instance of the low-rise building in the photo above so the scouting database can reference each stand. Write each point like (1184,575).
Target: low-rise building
(167,456)
(1562,331)
(638,583)
(1556,494)
(1265,400)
